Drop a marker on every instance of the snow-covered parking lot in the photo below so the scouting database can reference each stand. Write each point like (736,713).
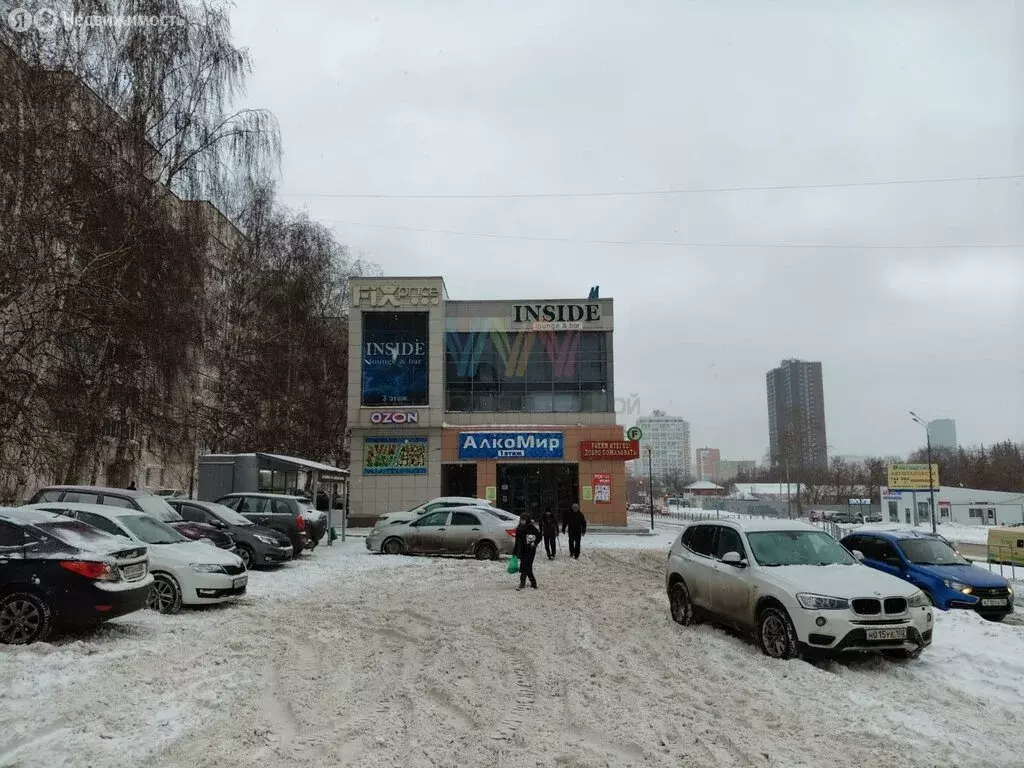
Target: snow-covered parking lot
(351,659)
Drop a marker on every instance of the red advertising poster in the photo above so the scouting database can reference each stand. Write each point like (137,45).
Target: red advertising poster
(595,450)
(602,488)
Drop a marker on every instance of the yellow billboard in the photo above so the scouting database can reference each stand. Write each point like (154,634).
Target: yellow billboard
(913,477)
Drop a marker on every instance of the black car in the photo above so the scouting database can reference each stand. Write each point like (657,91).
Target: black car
(57,573)
(148,503)
(256,545)
(284,513)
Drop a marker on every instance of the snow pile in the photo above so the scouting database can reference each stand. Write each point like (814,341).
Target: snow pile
(353,659)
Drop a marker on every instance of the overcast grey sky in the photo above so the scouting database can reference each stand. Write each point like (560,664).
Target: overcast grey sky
(444,97)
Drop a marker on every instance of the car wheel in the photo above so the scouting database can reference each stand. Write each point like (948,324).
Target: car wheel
(393,547)
(486,551)
(247,556)
(24,618)
(681,606)
(164,595)
(776,635)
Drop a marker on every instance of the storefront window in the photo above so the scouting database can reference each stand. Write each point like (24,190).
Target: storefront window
(559,371)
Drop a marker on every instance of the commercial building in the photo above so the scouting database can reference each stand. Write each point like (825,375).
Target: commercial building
(512,401)
(706,465)
(942,433)
(966,506)
(669,440)
(796,415)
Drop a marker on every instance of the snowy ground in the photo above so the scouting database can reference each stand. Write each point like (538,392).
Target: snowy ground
(352,659)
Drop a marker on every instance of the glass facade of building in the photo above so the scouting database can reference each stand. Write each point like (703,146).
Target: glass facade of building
(526,371)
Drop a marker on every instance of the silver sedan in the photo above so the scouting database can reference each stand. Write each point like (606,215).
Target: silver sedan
(454,531)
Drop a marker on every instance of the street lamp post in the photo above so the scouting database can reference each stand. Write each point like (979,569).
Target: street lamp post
(931,480)
(650,483)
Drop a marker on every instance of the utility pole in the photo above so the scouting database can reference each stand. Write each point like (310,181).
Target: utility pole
(650,482)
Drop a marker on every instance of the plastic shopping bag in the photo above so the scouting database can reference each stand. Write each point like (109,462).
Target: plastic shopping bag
(513,564)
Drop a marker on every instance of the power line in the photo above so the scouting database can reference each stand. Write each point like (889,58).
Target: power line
(672,243)
(651,192)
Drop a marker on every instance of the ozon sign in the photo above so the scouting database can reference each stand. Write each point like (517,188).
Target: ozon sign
(394,417)
(396,296)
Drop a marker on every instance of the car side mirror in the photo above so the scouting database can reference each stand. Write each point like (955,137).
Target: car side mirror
(217,523)
(859,555)
(734,559)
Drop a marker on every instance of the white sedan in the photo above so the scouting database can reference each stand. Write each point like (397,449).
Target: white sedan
(185,572)
(794,588)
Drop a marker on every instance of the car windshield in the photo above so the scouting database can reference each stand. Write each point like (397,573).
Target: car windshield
(228,515)
(150,531)
(158,508)
(774,548)
(930,552)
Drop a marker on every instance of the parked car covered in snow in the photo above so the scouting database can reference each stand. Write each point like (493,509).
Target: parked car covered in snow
(448,531)
(58,574)
(794,588)
(154,506)
(256,545)
(441,502)
(185,572)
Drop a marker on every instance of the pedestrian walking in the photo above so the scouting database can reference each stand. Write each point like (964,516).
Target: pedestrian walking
(549,527)
(525,548)
(576,526)
(131,486)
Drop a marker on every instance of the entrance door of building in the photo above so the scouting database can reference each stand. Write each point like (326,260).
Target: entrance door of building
(458,480)
(532,487)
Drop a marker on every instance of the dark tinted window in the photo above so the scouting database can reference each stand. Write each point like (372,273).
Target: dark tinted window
(98,521)
(703,541)
(728,541)
(79,497)
(852,543)
(10,535)
(191,513)
(887,551)
(687,536)
(434,518)
(464,518)
(117,501)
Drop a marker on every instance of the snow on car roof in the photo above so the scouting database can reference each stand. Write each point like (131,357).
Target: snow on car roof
(99,509)
(27,515)
(769,525)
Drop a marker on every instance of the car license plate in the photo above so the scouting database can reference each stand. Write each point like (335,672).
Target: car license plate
(993,601)
(132,572)
(895,633)
(241,582)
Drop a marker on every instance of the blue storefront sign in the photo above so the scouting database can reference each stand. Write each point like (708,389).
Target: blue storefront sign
(395,359)
(511,445)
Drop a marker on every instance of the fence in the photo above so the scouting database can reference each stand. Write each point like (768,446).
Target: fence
(1006,556)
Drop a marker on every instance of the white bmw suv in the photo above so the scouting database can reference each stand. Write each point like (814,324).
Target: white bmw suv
(794,588)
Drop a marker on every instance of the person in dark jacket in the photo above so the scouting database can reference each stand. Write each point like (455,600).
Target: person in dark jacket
(549,527)
(525,548)
(576,526)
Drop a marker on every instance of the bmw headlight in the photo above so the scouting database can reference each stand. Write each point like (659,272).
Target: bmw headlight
(958,586)
(822,602)
(208,568)
(267,540)
(918,600)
